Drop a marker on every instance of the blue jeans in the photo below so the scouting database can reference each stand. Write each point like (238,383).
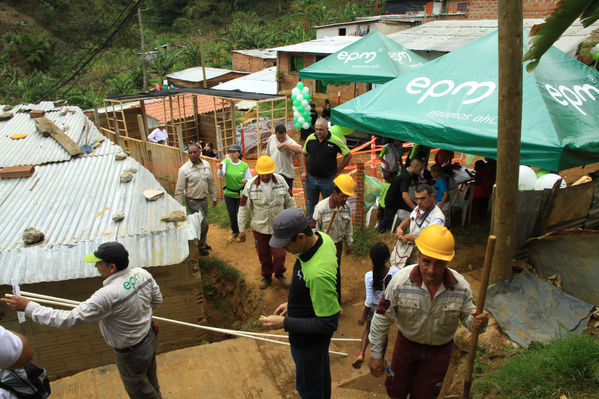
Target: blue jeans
(312,371)
(289,182)
(316,186)
(232,205)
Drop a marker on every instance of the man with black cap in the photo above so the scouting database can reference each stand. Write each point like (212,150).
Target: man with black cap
(123,308)
(312,311)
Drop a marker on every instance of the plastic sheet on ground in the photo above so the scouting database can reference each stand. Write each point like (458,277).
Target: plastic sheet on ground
(529,309)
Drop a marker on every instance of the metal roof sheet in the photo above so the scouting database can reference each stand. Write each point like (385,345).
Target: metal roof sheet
(263,81)
(36,149)
(267,54)
(72,203)
(446,36)
(327,45)
(196,74)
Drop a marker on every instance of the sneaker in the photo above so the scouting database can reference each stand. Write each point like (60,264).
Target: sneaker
(204,252)
(208,247)
(232,238)
(284,281)
(265,282)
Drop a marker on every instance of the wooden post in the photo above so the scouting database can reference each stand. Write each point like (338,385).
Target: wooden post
(97,117)
(142,133)
(359,217)
(508,135)
(142,107)
(195,115)
(173,127)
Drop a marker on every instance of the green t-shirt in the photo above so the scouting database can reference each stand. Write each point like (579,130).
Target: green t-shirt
(320,275)
(234,174)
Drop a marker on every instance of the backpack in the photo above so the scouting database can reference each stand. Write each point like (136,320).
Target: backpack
(30,382)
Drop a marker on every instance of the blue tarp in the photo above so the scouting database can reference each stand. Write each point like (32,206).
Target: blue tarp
(529,309)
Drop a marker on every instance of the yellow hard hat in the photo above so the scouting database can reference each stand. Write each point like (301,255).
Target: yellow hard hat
(265,165)
(437,242)
(345,183)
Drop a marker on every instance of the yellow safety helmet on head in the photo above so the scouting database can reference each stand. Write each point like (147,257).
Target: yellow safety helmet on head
(437,242)
(265,165)
(345,183)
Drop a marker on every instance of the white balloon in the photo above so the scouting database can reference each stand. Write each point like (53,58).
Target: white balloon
(301,120)
(305,90)
(308,108)
(526,178)
(299,98)
(305,103)
(547,181)
(305,125)
(295,91)
(595,49)
(294,108)
(296,114)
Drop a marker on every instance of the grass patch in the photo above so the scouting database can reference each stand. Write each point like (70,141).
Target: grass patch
(225,270)
(471,234)
(568,366)
(218,215)
(363,240)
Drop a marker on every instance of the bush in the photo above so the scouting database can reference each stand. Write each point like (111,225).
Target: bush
(182,25)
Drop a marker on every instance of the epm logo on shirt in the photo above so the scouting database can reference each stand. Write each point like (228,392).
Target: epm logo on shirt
(133,280)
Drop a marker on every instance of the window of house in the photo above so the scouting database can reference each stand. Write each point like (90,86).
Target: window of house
(296,63)
(321,87)
(462,7)
(342,31)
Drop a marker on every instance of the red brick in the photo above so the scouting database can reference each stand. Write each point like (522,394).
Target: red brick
(15,172)
(36,113)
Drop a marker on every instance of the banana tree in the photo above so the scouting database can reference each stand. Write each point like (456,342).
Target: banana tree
(544,35)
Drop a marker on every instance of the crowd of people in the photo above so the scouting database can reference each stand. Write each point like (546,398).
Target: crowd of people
(410,284)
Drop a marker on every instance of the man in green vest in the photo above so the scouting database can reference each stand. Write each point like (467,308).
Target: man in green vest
(311,313)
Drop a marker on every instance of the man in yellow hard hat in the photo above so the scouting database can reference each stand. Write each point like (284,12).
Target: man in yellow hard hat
(335,212)
(264,196)
(427,300)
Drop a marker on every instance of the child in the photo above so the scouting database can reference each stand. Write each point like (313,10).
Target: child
(375,281)
(441,187)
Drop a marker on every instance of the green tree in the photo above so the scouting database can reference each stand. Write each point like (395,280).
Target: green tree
(164,62)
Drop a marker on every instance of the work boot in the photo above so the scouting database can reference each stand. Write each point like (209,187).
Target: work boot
(204,252)
(284,281)
(208,247)
(265,282)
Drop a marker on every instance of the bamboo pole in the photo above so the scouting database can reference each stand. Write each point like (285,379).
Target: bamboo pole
(508,135)
(331,221)
(484,283)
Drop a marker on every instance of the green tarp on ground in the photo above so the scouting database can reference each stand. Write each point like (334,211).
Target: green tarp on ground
(451,103)
(373,59)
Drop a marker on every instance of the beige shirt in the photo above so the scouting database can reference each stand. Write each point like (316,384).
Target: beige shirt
(341,229)
(195,182)
(283,158)
(420,318)
(255,204)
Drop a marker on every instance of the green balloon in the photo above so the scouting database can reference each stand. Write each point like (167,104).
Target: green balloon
(300,85)
(298,126)
(595,57)
(297,103)
(300,109)
(542,172)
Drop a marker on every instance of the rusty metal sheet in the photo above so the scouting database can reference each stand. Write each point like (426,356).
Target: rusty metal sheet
(571,203)
(573,255)
(529,309)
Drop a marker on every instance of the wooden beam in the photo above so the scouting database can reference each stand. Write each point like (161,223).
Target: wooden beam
(47,128)
(142,133)
(196,116)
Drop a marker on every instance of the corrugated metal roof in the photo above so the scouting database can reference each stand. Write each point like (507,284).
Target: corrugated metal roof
(446,36)
(263,81)
(36,149)
(267,54)
(327,45)
(72,203)
(196,74)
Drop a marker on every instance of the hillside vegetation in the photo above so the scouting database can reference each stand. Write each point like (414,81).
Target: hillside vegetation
(83,51)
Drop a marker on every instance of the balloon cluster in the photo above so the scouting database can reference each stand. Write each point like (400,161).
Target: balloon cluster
(595,52)
(542,179)
(165,87)
(300,96)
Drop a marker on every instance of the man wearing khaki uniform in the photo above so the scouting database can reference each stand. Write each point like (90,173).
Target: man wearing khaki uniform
(196,183)
(264,196)
(335,208)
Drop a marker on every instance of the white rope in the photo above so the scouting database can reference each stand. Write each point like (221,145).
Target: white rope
(258,336)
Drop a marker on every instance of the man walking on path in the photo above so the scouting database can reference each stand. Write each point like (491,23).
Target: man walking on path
(280,147)
(335,212)
(264,197)
(196,183)
(425,214)
(319,162)
(123,308)
(311,313)
(426,300)
(159,135)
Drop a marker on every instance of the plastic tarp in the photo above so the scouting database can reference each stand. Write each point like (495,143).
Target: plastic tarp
(529,309)
(373,59)
(451,103)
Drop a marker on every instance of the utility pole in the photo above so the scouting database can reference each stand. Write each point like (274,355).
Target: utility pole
(202,61)
(508,135)
(144,67)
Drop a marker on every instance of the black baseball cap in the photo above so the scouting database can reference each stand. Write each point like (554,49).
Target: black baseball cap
(109,252)
(286,225)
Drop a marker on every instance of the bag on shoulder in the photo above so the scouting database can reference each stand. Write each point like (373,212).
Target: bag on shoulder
(30,382)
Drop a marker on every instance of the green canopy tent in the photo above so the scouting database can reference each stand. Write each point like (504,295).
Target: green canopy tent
(451,103)
(373,59)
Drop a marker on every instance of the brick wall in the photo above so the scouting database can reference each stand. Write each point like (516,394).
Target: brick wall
(288,80)
(65,352)
(246,63)
(487,9)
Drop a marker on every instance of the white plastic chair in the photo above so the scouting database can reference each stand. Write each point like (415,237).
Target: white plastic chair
(463,200)
(400,215)
(375,205)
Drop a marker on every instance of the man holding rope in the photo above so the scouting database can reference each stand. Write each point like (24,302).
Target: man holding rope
(426,300)
(123,308)
(312,311)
